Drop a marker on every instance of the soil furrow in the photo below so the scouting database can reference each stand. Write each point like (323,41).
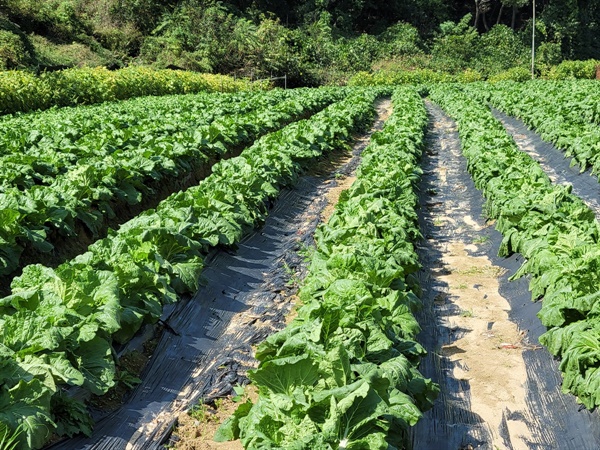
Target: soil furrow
(474,349)
(246,296)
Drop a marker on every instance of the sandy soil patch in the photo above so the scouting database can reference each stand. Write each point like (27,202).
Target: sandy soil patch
(196,428)
(488,350)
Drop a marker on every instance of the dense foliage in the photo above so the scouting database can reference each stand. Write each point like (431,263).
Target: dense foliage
(566,113)
(311,41)
(22,91)
(554,230)
(343,374)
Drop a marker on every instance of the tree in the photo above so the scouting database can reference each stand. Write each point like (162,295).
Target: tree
(515,5)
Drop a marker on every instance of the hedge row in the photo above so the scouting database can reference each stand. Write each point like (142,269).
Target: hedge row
(24,91)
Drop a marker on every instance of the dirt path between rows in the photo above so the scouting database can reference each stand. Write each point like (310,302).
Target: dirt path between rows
(474,347)
(245,297)
(499,388)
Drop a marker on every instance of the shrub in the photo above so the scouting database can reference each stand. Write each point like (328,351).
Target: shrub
(500,49)
(79,86)
(12,50)
(22,91)
(401,39)
(469,76)
(547,55)
(512,74)
(383,77)
(355,53)
(569,70)
(456,46)
(74,54)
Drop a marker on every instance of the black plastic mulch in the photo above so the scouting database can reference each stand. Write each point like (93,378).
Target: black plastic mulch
(554,162)
(554,419)
(206,347)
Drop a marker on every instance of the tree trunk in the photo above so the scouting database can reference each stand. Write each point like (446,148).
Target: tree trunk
(476,25)
(514,18)
(500,13)
(485,24)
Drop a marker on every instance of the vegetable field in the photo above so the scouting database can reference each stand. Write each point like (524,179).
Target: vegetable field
(112,214)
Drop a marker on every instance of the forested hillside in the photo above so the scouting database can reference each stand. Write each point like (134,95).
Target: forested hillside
(315,41)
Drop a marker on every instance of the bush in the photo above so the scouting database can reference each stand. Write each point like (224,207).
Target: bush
(22,91)
(12,51)
(74,54)
(355,53)
(401,39)
(469,76)
(512,74)
(500,49)
(571,70)
(79,86)
(384,78)
(547,55)
(456,46)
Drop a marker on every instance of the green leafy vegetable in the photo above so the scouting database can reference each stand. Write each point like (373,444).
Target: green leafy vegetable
(343,374)
(58,325)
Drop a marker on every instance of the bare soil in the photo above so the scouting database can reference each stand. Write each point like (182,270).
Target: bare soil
(196,428)
(490,350)
(475,349)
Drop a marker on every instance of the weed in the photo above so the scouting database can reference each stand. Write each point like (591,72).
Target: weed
(481,239)
(127,378)
(466,313)
(294,279)
(479,270)
(240,393)
(202,412)
(8,439)
(306,251)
